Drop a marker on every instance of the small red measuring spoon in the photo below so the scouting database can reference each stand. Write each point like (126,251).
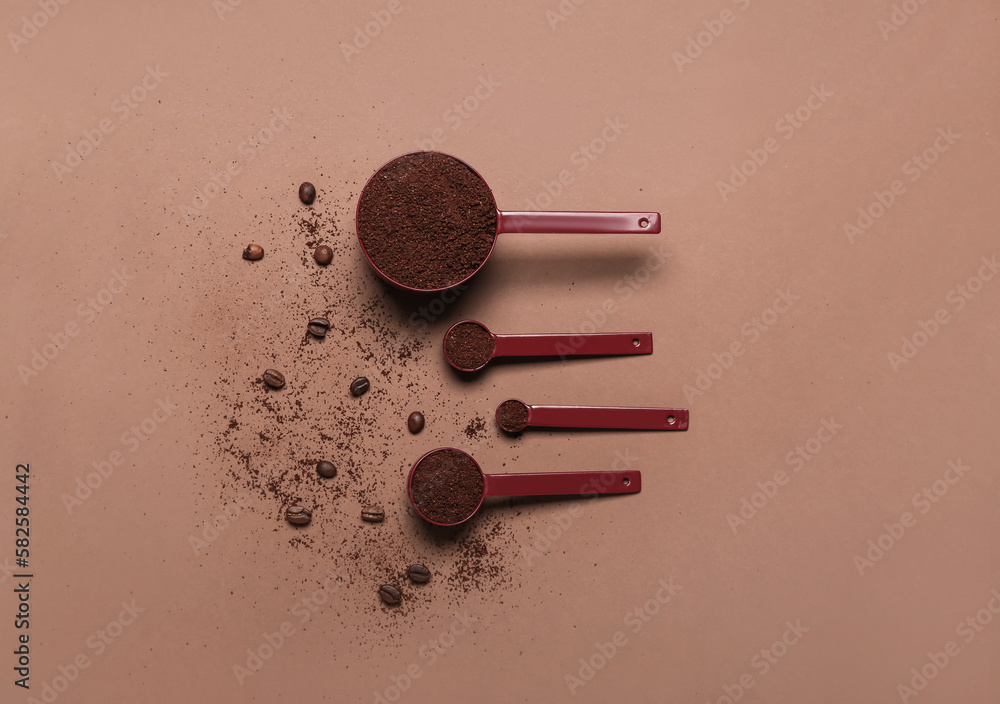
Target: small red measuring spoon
(443,474)
(469,345)
(514,415)
(407,179)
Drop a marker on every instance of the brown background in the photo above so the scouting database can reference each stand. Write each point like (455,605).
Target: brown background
(196,325)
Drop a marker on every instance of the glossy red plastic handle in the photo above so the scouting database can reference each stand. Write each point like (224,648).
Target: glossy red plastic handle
(563,483)
(608,417)
(594,223)
(569,345)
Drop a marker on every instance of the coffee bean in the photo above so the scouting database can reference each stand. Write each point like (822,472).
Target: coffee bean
(326,469)
(360,386)
(318,327)
(298,515)
(274,378)
(415,422)
(373,514)
(307,193)
(323,255)
(389,594)
(418,573)
(253,252)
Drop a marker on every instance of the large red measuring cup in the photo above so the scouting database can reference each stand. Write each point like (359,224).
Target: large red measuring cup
(552,222)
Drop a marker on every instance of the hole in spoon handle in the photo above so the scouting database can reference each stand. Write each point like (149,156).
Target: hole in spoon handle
(583,223)
(564,483)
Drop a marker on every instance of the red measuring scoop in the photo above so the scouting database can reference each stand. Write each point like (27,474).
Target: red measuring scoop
(509,221)
(514,415)
(540,484)
(477,354)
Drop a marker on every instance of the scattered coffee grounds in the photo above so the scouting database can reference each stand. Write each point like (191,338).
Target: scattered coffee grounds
(261,447)
(307,193)
(298,515)
(323,255)
(389,594)
(427,221)
(360,386)
(415,423)
(372,514)
(512,416)
(476,429)
(253,252)
(447,486)
(418,573)
(469,346)
(325,469)
(273,378)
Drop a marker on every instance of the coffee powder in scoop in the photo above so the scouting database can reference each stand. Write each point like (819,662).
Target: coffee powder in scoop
(426,220)
(513,416)
(469,345)
(447,486)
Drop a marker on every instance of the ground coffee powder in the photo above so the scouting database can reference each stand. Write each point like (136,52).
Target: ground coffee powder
(447,486)
(513,416)
(469,346)
(426,220)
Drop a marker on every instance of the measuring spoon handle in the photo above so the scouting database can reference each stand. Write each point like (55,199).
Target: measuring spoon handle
(569,345)
(563,483)
(585,223)
(617,417)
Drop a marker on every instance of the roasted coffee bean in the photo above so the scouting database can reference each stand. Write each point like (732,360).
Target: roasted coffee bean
(253,252)
(360,386)
(373,514)
(318,327)
(418,573)
(307,193)
(326,469)
(415,422)
(323,255)
(274,378)
(389,594)
(298,515)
